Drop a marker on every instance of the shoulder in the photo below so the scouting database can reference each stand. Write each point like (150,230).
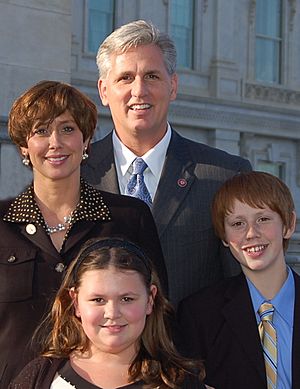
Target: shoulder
(202,153)
(211,296)
(4,205)
(31,373)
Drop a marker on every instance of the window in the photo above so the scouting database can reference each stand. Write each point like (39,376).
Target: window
(275,168)
(268,40)
(182,26)
(100,22)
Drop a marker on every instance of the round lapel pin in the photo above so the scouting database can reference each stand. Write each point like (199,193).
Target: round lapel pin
(182,182)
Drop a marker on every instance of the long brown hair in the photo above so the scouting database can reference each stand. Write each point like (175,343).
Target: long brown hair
(157,362)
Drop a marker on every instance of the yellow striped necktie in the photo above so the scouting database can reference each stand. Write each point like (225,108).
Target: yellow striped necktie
(268,338)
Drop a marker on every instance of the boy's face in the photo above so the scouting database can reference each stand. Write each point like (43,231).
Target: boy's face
(255,237)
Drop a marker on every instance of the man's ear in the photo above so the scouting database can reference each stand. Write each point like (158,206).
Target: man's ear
(288,232)
(102,89)
(74,297)
(174,86)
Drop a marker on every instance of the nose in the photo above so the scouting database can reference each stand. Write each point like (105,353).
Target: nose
(252,231)
(54,140)
(112,310)
(139,87)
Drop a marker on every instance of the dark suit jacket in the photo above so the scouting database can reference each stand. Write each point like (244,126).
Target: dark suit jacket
(29,281)
(219,325)
(191,174)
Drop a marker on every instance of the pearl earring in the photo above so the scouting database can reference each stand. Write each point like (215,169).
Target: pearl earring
(25,160)
(85,154)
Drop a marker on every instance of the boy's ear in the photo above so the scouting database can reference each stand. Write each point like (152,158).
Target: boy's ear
(288,232)
(225,243)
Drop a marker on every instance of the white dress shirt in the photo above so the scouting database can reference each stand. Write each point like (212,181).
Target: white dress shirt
(154,158)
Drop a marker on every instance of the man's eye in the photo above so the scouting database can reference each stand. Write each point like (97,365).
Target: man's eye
(151,77)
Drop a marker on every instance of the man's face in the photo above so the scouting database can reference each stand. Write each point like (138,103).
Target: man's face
(138,90)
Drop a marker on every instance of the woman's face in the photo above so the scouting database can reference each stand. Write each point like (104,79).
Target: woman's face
(112,306)
(55,150)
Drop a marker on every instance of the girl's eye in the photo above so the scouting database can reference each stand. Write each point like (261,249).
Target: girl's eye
(127,299)
(98,300)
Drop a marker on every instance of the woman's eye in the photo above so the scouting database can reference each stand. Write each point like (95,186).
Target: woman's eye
(68,129)
(40,131)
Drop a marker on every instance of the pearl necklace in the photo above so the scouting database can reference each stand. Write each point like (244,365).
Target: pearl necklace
(60,226)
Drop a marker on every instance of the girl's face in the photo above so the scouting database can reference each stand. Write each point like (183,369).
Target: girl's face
(112,306)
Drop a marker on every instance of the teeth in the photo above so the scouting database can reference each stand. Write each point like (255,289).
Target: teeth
(56,159)
(136,107)
(255,249)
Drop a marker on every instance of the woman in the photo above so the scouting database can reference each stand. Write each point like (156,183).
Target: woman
(43,229)
(108,327)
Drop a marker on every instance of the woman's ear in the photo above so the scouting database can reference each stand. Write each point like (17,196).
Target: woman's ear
(153,291)
(74,297)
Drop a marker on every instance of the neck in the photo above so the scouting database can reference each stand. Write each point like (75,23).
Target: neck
(140,143)
(269,281)
(56,198)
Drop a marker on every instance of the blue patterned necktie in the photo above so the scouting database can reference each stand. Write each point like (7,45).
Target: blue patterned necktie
(136,186)
(268,338)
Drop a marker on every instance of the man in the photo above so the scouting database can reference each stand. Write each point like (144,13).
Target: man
(138,81)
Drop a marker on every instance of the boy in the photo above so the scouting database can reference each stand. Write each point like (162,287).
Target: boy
(246,328)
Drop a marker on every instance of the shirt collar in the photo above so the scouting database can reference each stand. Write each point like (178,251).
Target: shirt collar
(124,157)
(91,206)
(283,301)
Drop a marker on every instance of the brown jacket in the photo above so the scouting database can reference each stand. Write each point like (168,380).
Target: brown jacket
(28,279)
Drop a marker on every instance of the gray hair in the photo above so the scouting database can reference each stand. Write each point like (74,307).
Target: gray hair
(132,35)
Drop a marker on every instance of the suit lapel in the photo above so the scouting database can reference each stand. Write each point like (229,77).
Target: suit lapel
(103,174)
(240,316)
(177,178)
(296,336)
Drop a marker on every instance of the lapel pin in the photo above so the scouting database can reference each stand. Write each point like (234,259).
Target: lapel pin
(30,229)
(182,182)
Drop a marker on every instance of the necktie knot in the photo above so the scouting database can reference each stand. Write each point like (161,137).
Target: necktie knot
(136,186)
(266,311)
(139,166)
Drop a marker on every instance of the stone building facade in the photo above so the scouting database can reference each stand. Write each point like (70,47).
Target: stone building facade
(226,99)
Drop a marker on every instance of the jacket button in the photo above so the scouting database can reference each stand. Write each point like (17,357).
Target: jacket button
(11,259)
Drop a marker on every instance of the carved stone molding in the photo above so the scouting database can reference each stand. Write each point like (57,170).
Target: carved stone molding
(292,13)
(252,9)
(204,5)
(273,94)
(234,120)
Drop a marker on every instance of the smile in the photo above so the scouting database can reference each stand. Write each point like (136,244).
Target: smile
(256,249)
(139,107)
(56,159)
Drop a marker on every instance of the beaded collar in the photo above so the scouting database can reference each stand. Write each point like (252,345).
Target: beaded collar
(91,206)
